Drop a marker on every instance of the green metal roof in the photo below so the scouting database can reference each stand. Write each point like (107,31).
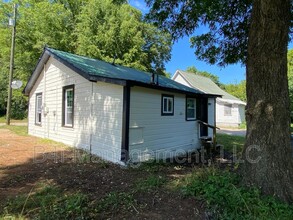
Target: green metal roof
(91,68)
(206,85)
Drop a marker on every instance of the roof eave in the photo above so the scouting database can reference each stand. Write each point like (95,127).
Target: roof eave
(47,54)
(87,75)
(33,78)
(45,57)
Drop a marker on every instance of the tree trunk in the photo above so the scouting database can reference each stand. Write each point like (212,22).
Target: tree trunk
(268,158)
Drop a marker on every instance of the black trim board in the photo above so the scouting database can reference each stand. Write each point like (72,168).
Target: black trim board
(125,124)
(202,114)
(36,106)
(88,76)
(64,88)
(188,97)
(36,67)
(174,90)
(162,105)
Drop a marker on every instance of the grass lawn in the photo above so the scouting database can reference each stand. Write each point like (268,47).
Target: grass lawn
(20,130)
(95,189)
(231,142)
(3,120)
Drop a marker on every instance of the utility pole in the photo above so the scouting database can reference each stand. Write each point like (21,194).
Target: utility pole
(11,67)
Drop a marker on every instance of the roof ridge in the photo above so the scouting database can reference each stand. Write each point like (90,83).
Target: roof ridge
(193,80)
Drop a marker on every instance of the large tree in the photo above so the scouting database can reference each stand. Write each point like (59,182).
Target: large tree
(110,31)
(101,29)
(290,79)
(256,34)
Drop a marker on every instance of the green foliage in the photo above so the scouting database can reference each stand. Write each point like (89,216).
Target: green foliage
(227,23)
(151,182)
(226,199)
(19,130)
(99,29)
(231,142)
(37,25)
(48,202)
(110,31)
(116,200)
(242,125)
(237,89)
(213,77)
(152,166)
(3,120)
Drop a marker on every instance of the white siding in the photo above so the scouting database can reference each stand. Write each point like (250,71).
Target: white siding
(180,79)
(104,123)
(241,113)
(233,120)
(153,135)
(236,118)
(211,106)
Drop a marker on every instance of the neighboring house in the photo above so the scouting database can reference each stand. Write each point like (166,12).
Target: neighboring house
(230,111)
(115,112)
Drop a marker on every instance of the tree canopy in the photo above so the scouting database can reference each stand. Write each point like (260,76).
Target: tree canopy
(255,33)
(227,21)
(237,89)
(106,30)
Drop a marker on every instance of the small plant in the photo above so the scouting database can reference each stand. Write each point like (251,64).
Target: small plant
(242,125)
(150,182)
(152,166)
(47,202)
(116,200)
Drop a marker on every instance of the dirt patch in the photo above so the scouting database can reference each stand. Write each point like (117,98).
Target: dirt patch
(26,161)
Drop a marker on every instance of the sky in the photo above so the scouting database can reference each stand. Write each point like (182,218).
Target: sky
(183,57)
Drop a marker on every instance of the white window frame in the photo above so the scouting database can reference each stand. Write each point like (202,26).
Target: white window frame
(167,108)
(66,89)
(38,113)
(226,108)
(188,108)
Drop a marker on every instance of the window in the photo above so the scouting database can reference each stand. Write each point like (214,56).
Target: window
(167,105)
(38,117)
(190,109)
(227,109)
(68,106)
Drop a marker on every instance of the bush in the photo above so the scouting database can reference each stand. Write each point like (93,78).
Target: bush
(18,105)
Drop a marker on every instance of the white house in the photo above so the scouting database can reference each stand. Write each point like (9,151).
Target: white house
(118,113)
(230,111)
